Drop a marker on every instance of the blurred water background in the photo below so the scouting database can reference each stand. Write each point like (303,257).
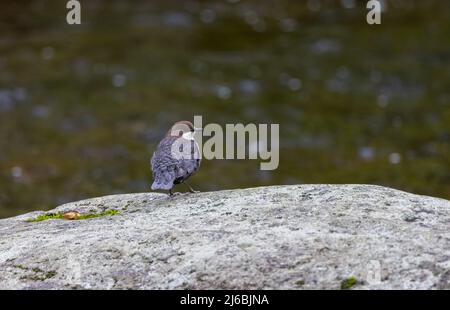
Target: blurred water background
(82,107)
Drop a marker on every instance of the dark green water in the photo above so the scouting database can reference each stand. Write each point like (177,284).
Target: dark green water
(82,107)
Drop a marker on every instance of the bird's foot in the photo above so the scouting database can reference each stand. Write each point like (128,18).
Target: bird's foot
(191,190)
(172,194)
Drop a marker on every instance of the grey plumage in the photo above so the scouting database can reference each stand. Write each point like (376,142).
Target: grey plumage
(169,170)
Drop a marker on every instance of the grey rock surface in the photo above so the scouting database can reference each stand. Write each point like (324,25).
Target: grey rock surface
(279,237)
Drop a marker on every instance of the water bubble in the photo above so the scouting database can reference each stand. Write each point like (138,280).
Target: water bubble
(67,125)
(366,152)
(251,18)
(81,67)
(294,84)
(288,24)
(343,73)
(20,94)
(16,172)
(336,85)
(431,148)
(223,92)
(6,103)
(348,4)
(119,80)
(41,111)
(250,87)
(382,100)
(323,46)
(10,98)
(47,53)
(177,19)
(208,16)
(395,158)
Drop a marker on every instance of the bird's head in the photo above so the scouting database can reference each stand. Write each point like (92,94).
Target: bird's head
(183,129)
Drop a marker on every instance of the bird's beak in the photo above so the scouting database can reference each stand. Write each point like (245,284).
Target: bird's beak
(198,129)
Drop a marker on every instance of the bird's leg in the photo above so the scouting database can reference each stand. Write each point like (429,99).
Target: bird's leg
(191,190)
(172,194)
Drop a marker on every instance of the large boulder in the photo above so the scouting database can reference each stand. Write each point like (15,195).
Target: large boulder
(278,237)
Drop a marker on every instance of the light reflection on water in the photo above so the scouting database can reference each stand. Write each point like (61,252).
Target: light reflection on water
(81,109)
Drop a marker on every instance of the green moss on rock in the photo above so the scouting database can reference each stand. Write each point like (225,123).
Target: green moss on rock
(48,216)
(348,283)
(94,215)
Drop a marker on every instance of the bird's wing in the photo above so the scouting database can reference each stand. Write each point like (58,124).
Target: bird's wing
(164,166)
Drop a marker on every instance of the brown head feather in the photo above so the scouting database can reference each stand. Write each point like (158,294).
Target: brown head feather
(179,128)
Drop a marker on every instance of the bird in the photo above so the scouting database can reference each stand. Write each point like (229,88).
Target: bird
(176,158)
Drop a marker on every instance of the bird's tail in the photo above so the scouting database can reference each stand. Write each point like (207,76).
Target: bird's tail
(161,185)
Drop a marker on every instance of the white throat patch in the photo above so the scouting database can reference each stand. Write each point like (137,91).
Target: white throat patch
(188,135)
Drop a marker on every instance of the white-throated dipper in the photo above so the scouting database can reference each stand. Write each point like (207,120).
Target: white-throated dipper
(176,157)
